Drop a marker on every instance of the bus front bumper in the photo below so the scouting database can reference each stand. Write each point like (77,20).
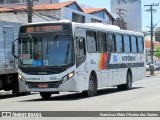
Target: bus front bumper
(69,85)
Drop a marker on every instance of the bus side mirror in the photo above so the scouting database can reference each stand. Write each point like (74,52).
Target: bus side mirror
(14,48)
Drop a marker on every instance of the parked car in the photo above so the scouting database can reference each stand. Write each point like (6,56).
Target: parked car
(156,66)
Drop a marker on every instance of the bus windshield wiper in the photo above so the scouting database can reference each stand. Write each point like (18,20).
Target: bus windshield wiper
(56,36)
(54,39)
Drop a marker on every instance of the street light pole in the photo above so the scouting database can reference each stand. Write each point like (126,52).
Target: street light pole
(152,45)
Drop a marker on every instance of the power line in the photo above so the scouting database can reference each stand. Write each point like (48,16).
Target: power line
(40,16)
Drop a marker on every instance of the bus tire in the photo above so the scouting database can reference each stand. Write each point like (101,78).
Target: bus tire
(45,95)
(92,89)
(128,84)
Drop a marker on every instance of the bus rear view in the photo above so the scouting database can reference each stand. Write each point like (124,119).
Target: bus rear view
(45,52)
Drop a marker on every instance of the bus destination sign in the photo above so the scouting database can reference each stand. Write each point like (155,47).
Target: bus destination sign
(50,28)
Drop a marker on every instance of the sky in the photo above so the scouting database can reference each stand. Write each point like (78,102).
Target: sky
(146,16)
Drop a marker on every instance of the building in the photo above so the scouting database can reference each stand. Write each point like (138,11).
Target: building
(148,48)
(99,12)
(128,11)
(50,12)
(6,3)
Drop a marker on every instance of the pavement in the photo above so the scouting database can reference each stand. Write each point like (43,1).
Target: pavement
(156,73)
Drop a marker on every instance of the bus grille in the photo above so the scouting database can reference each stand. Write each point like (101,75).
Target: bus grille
(50,84)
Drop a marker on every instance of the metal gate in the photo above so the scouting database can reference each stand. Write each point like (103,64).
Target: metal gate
(8,38)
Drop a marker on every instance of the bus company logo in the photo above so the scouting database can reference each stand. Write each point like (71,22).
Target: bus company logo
(53,78)
(32,78)
(114,58)
(6,114)
(128,58)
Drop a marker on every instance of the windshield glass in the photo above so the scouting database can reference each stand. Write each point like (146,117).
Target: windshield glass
(55,50)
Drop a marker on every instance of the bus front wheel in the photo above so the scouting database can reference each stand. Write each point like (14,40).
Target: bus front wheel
(45,95)
(92,87)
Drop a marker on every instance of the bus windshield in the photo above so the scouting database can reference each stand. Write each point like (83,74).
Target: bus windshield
(53,50)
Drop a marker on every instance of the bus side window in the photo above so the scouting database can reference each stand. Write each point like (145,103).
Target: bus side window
(127,47)
(81,51)
(102,42)
(91,42)
(111,42)
(119,43)
(134,44)
(80,47)
(140,44)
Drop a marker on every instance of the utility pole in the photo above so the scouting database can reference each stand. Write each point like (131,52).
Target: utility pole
(29,10)
(152,45)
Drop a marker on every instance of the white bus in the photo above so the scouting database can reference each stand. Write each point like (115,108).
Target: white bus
(65,56)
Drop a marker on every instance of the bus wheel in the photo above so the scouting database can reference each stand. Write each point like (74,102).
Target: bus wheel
(92,89)
(45,95)
(128,85)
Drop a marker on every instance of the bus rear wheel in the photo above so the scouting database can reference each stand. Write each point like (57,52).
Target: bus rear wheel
(128,85)
(92,89)
(45,95)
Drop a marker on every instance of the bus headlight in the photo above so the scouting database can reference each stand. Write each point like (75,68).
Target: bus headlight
(20,77)
(67,77)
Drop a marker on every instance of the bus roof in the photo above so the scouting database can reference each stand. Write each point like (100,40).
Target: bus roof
(108,27)
(99,26)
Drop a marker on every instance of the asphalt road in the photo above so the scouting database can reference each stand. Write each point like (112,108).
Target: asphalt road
(145,96)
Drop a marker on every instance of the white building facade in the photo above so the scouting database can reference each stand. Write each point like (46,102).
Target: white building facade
(131,13)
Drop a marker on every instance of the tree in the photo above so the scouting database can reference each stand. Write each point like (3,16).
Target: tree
(157,51)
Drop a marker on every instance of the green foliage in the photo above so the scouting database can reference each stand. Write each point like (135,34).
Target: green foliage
(157,52)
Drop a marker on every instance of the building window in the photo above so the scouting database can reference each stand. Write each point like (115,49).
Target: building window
(119,1)
(14,1)
(1,1)
(95,21)
(78,18)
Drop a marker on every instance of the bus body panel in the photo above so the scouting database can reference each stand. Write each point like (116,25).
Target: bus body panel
(116,65)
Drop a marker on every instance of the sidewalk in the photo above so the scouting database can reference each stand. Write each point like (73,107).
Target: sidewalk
(156,73)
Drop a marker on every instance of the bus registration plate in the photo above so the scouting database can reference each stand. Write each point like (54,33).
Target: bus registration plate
(43,85)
